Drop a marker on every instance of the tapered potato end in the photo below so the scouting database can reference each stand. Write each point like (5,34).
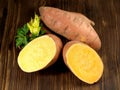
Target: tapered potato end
(83,61)
(39,53)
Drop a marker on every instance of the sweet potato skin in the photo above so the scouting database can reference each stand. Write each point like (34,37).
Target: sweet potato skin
(65,49)
(73,26)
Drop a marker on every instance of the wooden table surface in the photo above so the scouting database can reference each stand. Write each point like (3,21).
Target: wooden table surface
(15,13)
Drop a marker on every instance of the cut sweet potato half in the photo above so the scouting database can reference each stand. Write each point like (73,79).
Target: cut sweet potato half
(40,53)
(83,61)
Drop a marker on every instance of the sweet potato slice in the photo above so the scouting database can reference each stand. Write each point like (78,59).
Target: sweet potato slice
(83,61)
(40,53)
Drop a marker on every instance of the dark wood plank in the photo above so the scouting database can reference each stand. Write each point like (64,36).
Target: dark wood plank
(14,13)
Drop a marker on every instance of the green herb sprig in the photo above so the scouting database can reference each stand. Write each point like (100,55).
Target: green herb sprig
(28,32)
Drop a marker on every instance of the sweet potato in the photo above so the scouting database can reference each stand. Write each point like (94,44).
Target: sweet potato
(73,26)
(83,61)
(40,53)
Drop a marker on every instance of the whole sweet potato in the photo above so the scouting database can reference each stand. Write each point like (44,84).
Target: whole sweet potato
(73,26)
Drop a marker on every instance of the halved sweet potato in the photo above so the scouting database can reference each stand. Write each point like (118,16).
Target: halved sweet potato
(83,61)
(40,53)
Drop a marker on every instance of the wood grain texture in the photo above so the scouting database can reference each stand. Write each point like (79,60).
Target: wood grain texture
(14,13)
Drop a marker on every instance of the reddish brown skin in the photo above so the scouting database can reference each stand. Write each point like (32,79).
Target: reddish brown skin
(59,46)
(83,17)
(73,26)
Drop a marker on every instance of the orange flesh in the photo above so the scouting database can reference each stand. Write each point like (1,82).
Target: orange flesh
(84,63)
(37,54)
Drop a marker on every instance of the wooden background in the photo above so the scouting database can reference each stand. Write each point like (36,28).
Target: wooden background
(15,13)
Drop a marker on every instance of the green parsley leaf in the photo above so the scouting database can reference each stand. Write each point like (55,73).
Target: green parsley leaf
(28,32)
(42,32)
(21,37)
